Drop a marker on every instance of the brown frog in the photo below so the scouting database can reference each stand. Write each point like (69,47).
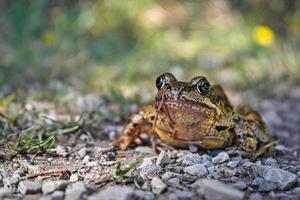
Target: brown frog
(196,113)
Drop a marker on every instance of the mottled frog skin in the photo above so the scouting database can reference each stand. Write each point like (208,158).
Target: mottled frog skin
(196,113)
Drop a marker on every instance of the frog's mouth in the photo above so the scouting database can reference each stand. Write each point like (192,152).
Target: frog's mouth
(187,105)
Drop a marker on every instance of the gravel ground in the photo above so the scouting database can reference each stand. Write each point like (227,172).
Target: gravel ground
(83,168)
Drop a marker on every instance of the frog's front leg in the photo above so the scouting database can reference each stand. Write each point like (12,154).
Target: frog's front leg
(133,127)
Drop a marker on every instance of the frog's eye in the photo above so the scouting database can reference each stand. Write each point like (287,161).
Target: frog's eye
(164,79)
(203,86)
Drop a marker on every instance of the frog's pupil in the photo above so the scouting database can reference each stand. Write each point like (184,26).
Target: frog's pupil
(205,86)
(160,81)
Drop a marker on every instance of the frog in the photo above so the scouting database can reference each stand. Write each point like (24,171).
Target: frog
(200,114)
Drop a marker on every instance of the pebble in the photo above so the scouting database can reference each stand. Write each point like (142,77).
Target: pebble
(140,194)
(82,152)
(11,182)
(86,159)
(282,178)
(74,178)
(240,185)
(158,186)
(114,193)
(174,181)
(271,161)
(191,159)
(215,171)
(168,175)
(181,195)
(262,185)
(229,172)
(281,149)
(51,186)
(213,189)
(221,158)
(29,187)
(4,193)
(75,191)
(193,148)
(163,159)
(256,196)
(196,170)
(233,164)
(144,150)
(151,170)
(57,195)
(61,151)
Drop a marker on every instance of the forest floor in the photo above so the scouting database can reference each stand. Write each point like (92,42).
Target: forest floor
(67,156)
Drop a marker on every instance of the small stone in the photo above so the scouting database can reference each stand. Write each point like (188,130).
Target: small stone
(75,191)
(181,195)
(168,175)
(146,161)
(29,187)
(86,159)
(229,172)
(163,158)
(74,178)
(82,152)
(92,164)
(140,194)
(4,193)
(262,185)
(247,164)
(61,151)
(158,186)
(213,189)
(221,158)
(196,170)
(256,196)
(191,159)
(233,164)
(144,150)
(174,181)
(282,178)
(271,161)
(57,195)
(193,148)
(215,171)
(51,186)
(114,193)
(281,149)
(151,170)
(240,185)
(296,191)
(11,182)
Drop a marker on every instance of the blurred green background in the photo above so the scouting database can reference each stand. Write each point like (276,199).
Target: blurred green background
(119,47)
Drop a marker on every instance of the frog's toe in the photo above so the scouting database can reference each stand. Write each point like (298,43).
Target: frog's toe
(234,151)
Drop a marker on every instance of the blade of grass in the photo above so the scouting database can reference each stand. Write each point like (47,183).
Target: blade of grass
(122,171)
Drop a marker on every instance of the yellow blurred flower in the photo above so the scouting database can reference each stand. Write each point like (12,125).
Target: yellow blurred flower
(263,35)
(49,38)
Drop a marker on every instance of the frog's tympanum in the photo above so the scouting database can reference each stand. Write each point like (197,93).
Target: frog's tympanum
(197,113)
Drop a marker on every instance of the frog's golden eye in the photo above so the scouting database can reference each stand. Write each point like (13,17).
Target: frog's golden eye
(202,85)
(164,79)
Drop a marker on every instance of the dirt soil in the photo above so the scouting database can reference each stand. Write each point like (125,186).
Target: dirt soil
(85,165)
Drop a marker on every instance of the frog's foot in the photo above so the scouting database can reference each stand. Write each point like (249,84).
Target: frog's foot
(267,149)
(159,146)
(235,151)
(136,125)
